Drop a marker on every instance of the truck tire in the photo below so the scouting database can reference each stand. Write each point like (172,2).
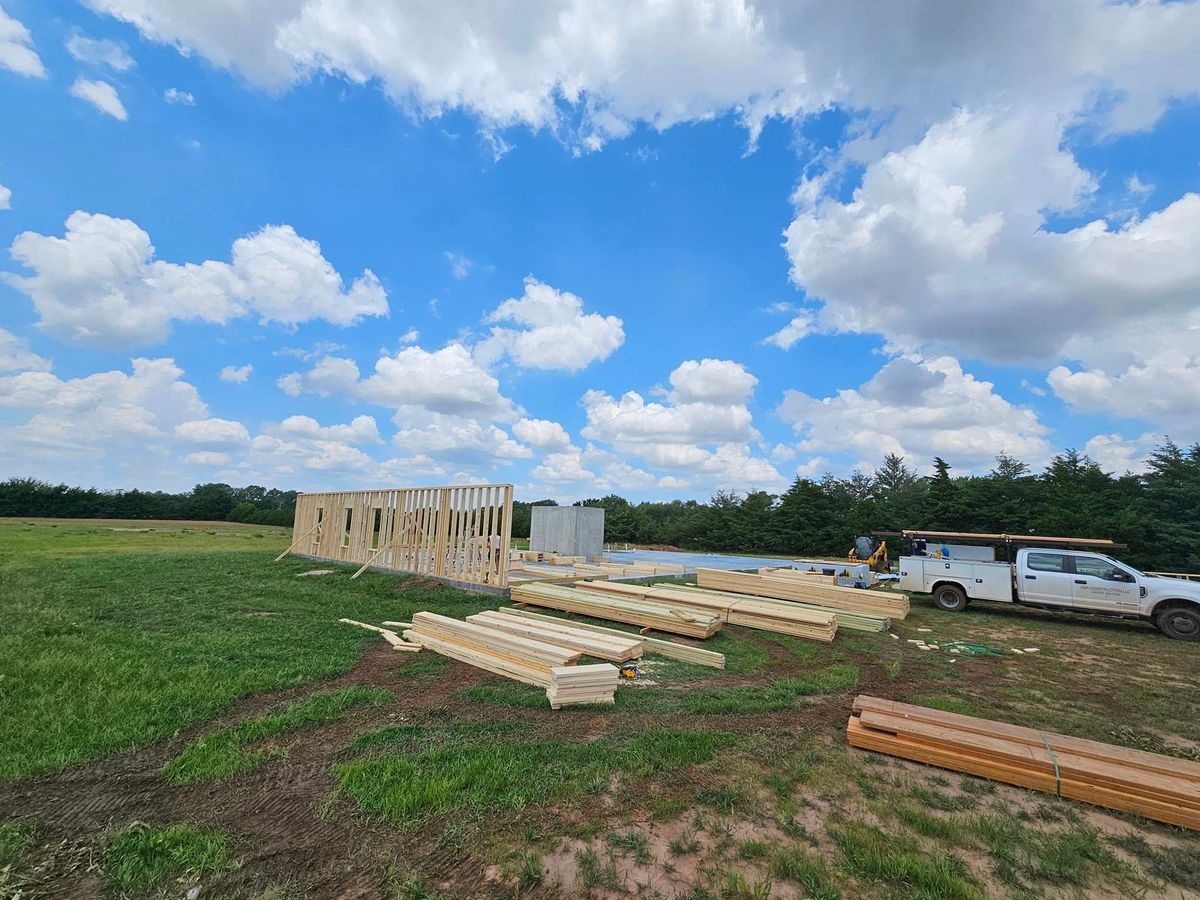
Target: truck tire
(1180,621)
(950,597)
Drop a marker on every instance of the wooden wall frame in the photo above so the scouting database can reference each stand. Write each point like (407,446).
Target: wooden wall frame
(458,532)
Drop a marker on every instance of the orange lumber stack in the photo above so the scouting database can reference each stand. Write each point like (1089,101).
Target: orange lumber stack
(1158,787)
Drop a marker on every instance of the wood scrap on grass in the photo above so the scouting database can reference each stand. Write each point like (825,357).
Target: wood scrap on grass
(397,642)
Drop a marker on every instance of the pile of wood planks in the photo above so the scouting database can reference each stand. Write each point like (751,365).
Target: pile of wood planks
(536,662)
(601,646)
(878,603)
(1158,787)
(809,576)
(630,569)
(654,646)
(850,621)
(659,616)
(581,684)
(749,612)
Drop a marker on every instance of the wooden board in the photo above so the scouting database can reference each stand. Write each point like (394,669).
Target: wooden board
(511,644)
(597,645)
(1158,787)
(877,602)
(749,612)
(853,621)
(655,646)
(659,616)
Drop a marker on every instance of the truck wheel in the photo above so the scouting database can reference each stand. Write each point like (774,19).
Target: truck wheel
(950,597)
(1180,622)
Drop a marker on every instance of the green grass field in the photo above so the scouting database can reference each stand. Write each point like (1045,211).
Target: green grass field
(176,710)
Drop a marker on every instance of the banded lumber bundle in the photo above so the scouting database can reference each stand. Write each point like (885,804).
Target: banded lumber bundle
(581,684)
(601,646)
(1158,787)
(653,646)
(749,612)
(851,621)
(878,603)
(517,657)
(659,616)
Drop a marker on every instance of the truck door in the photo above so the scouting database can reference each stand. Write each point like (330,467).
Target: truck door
(1045,579)
(1100,583)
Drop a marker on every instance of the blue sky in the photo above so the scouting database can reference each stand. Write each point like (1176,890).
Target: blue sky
(650,251)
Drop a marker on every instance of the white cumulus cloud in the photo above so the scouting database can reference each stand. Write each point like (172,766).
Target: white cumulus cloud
(917,408)
(109,428)
(212,431)
(556,332)
(542,434)
(236,374)
(720,381)
(101,284)
(101,95)
(16,49)
(179,97)
(360,430)
(16,355)
(99,52)
(447,381)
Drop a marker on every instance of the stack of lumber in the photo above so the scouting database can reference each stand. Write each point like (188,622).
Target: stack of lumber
(633,569)
(851,621)
(550,573)
(659,616)
(809,575)
(877,603)
(601,646)
(581,684)
(515,656)
(749,612)
(1158,787)
(654,646)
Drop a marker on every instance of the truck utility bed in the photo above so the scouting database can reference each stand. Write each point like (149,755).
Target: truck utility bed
(983,580)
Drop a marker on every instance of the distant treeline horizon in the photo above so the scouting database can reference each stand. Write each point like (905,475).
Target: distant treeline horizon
(1156,512)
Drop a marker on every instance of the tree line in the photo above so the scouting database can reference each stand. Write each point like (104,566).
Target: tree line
(214,502)
(1156,512)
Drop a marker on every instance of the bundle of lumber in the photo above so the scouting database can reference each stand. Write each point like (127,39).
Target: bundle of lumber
(851,621)
(514,656)
(878,603)
(749,612)
(581,684)
(809,575)
(1157,787)
(632,570)
(654,646)
(659,616)
(601,646)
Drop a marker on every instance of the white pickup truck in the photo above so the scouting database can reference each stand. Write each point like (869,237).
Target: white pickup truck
(1072,580)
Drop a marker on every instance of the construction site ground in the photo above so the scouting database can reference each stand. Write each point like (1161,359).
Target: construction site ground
(156,675)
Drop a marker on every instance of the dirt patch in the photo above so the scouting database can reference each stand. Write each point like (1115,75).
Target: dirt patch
(275,813)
